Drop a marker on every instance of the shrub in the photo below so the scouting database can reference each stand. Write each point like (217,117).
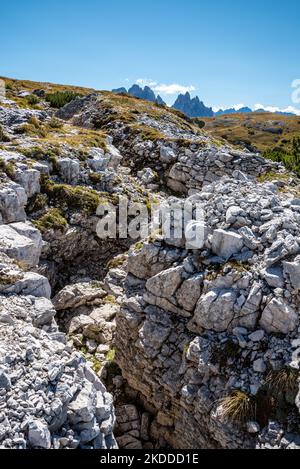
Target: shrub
(36,203)
(290,159)
(238,407)
(39,153)
(61,98)
(52,220)
(32,99)
(95,178)
(200,123)
(55,123)
(282,381)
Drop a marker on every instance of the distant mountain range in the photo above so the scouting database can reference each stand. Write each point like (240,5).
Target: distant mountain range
(192,107)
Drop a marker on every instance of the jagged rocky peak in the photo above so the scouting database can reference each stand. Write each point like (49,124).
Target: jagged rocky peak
(192,107)
(145,93)
(241,110)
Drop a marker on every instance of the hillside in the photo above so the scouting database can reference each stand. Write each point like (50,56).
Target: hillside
(149,276)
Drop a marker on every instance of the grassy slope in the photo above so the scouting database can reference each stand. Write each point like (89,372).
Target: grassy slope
(254,129)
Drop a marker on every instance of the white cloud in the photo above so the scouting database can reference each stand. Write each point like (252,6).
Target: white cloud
(172,89)
(238,106)
(234,106)
(290,109)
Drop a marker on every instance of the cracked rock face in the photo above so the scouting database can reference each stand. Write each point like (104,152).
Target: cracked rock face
(237,319)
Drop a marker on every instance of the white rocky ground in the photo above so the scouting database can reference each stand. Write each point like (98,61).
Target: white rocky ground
(189,328)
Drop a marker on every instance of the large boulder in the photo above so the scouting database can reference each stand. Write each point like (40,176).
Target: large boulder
(214,311)
(292,272)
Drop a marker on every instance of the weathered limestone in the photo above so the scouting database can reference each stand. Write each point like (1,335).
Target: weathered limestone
(13,199)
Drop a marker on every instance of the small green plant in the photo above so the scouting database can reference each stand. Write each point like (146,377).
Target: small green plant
(200,123)
(33,128)
(3,137)
(39,153)
(69,197)
(138,246)
(238,407)
(110,299)
(95,178)
(116,261)
(110,356)
(36,203)
(55,123)
(32,100)
(96,284)
(60,98)
(273,176)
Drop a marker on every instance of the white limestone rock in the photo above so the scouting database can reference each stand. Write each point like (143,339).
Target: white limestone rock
(29,179)
(69,169)
(39,435)
(214,311)
(13,199)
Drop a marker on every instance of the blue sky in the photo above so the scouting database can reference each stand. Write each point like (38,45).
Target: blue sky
(226,51)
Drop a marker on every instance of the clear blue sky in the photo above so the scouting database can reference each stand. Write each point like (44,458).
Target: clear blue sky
(231,51)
